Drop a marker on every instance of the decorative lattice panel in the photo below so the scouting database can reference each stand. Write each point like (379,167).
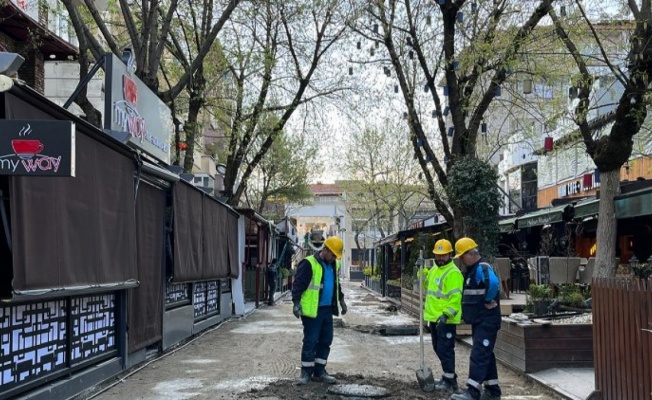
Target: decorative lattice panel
(177,294)
(93,326)
(206,299)
(32,341)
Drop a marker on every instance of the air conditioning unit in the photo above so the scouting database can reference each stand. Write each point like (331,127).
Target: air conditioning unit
(539,267)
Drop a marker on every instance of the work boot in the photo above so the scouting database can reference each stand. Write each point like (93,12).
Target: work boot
(304,378)
(446,384)
(488,394)
(466,395)
(324,377)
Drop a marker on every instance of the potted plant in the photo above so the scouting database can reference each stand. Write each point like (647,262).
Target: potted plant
(540,296)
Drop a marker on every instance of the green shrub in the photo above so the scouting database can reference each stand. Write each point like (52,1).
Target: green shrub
(366,271)
(539,292)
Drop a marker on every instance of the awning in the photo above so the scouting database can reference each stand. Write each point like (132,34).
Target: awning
(586,208)
(507,225)
(541,217)
(634,204)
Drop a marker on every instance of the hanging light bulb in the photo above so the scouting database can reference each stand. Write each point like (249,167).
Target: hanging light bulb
(428,19)
(451,131)
(375,28)
(483,127)
(498,91)
(548,143)
(474,7)
(527,86)
(446,111)
(411,54)
(372,51)
(359,45)
(350,70)
(395,88)
(460,17)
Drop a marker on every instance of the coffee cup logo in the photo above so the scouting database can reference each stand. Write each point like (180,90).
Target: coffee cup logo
(26,148)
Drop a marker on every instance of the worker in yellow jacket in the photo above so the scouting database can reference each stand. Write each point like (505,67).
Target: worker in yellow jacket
(443,310)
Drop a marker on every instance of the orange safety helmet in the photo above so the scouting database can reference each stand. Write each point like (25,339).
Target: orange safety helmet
(442,247)
(463,245)
(335,245)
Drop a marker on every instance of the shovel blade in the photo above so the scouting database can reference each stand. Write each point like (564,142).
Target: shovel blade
(426,379)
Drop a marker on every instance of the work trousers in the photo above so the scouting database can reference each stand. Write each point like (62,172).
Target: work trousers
(483,362)
(443,342)
(317,340)
(272,289)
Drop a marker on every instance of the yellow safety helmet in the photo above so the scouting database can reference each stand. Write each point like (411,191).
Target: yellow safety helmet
(443,247)
(335,245)
(463,245)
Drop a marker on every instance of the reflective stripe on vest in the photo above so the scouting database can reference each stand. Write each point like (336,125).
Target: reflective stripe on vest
(440,290)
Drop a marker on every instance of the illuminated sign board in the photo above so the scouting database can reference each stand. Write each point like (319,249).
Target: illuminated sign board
(130,106)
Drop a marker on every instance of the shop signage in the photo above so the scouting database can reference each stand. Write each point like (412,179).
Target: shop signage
(569,189)
(37,147)
(130,106)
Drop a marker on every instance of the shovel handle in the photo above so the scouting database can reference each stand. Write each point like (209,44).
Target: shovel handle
(423,362)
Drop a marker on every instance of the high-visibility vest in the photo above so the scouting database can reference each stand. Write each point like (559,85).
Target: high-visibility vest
(444,293)
(310,297)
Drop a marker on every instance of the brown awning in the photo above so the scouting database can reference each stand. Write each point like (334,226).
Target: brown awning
(203,231)
(72,232)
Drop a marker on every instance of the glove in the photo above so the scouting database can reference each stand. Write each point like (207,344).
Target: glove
(297,310)
(344,307)
(441,321)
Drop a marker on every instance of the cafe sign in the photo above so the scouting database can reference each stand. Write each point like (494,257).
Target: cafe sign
(37,147)
(131,107)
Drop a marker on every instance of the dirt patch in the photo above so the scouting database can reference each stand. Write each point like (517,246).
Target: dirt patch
(399,390)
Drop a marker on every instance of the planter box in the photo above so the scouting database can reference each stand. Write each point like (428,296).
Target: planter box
(532,348)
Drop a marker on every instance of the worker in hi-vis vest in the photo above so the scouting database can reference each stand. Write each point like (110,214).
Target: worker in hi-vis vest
(443,310)
(317,296)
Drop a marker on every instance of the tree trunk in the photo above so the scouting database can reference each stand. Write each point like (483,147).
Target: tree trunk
(606,235)
(191,130)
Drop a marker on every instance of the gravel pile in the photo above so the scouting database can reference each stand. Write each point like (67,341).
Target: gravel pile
(575,319)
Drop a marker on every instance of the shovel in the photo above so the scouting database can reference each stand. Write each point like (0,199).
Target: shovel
(424,374)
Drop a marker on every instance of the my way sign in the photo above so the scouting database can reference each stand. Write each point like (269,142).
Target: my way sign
(37,148)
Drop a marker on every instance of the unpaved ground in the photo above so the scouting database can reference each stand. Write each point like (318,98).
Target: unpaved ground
(257,357)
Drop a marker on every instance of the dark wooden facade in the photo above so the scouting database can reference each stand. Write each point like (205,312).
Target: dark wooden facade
(622,327)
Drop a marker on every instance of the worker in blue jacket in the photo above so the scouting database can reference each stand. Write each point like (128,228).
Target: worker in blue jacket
(481,309)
